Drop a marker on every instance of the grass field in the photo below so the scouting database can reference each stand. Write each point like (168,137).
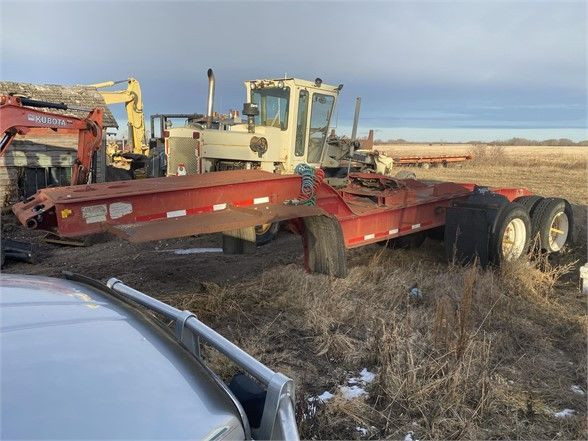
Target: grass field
(549,171)
(457,353)
(476,354)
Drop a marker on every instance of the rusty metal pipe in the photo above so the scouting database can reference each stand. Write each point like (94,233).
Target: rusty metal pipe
(210,100)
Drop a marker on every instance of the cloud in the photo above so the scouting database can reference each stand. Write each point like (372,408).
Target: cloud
(434,58)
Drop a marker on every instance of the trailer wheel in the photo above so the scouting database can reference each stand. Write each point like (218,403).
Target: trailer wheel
(425,165)
(265,233)
(511,236)
(529,202)
(324,248)
(553,221)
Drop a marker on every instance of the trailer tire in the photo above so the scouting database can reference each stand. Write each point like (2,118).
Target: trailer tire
(552,215)
(324,246)
(425,165)
(529,202)
(265,235)
(511,234)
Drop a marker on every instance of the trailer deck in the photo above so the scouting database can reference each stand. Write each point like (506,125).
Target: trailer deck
(369,209)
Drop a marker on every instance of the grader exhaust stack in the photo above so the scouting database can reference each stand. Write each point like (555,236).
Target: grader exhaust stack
(210,100)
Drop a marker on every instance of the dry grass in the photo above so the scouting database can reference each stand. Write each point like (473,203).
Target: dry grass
(546,171)
(483,354)
(549,171)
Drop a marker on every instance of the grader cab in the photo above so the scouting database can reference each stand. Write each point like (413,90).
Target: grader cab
(287,123)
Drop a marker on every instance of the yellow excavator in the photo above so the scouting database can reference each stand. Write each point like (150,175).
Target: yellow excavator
(133,101)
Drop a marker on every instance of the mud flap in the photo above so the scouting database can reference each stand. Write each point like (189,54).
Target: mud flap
(467,235)
(324,247)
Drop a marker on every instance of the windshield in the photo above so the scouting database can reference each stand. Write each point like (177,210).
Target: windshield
(322,106)
(273,103)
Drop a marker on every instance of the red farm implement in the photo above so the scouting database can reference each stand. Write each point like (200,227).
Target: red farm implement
(430,161)
(475,222)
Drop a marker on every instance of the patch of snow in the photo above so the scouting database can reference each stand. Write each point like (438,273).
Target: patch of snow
(415,293)
(312,402)
(564,413)
(351,392)
(310,411)
(353,389)
(410,437)
(577,389)
(362,430)
(367,376)
(183,251)
(325,396)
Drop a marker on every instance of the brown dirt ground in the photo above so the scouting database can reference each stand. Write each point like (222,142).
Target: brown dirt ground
(483,354)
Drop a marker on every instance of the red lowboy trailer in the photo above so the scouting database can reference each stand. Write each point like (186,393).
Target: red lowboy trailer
(428,161)
(476,222)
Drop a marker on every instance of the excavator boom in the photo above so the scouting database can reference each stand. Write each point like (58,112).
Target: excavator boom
(133,101)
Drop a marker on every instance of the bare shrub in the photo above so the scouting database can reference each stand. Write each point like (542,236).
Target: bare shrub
(478,152)
(496,154)
(484,154)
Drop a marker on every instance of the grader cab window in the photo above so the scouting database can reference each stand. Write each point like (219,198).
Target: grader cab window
(273,104)
(320,116)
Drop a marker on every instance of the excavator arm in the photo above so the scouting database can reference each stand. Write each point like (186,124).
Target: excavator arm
(16,119)
(133,101)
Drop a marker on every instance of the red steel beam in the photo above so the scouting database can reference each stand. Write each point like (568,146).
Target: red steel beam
(84,209)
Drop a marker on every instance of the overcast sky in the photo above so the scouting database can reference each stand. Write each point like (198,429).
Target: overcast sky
(424,70)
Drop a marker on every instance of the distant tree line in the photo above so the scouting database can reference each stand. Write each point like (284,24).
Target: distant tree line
(511,141)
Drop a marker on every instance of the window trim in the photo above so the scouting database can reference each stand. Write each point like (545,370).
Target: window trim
(305,128)
(328,123)
(287,89)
